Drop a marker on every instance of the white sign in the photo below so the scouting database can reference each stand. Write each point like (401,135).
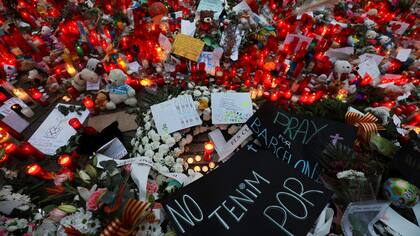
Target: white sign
(55,131)
(369,67)
(175,114)
(230,108)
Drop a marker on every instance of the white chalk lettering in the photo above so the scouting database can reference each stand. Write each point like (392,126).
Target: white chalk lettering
(244,199)
(185,217)
(231,211)
(256,181)
(197,219)
(219,218)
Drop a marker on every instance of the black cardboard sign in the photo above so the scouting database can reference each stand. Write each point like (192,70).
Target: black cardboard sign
(407,161)
(298,140)
(251,194)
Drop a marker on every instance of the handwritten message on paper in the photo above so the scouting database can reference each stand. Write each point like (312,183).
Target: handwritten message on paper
(231,108)
(55,131)
(175,114)
(187,46)
(297,140)
(259,197)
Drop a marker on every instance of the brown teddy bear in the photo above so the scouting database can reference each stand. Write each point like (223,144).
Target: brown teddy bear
(206,24)
(101,100)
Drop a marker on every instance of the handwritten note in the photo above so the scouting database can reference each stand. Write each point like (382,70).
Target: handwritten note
(55,131)
(187,46)
(231,108)
(211,5)
(175,114)
(367,56)
(369,67)
(403,54)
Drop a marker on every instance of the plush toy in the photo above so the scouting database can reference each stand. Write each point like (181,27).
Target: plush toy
(381,112)
(205,24)
(371,34)
(370,24)
(79,81)
(11,72)
(386,42)
(246,22)
(35,78)
(49,38)
(96,66)
(342,67)
(101,100)
(119,92)
(52,84)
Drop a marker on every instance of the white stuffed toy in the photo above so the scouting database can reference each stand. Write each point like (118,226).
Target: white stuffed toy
(371,34)
(119,92)
(342,67)
(370,24)
(386,42)
(79,81)
(380,112)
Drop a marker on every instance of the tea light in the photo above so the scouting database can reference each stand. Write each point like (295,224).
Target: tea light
(33,169)
(208,150)
(65,160)
(17,108)
(27,149)
(190,160)
(197,168)
(212,165)
(197,158)
(204,168)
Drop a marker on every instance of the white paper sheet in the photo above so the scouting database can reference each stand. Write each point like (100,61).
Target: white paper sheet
(16,122)
(399,223)
(175,114)
(403,54)
(370,67)
(93,86)
(188,27)
(212,5)
(5,108)
(55,131)
(377,58)
(230,108)
(114,149)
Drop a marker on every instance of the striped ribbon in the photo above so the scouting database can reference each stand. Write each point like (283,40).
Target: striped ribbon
(134,212)
(366,124)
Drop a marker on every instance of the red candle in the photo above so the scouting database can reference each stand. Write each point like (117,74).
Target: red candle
(36,170)
(64,160)
(208,150)
(75,123)
(27,149)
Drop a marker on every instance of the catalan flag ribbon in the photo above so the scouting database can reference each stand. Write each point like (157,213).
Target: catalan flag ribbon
(134,212)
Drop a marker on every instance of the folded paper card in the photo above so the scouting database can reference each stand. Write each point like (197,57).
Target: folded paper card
(260,196)
(175,114)
(298,140)
(230,108)
(114,149)
(55,131)
(187,46)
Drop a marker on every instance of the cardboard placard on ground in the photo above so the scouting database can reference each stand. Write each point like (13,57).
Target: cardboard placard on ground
(259,196)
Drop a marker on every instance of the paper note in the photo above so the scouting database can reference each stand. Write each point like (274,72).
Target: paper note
(165,43)
(339,53)
(242,6)
(230,108)
(133,67)
(55,131)
(16,122)
(187,46)
(369,67)
(211,5)
(188,27)
(114,149)
(372,56)
(175,114)
(399,223)
(5,108)
(400,27)
(93,86)
(403,54)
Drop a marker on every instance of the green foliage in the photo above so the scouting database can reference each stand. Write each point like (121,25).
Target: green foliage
(329,109)
(382,145)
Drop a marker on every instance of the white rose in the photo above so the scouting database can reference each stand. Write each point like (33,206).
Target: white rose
(178,168)
(166,137)
(147,147)
(169,160)
(155,145)
(148,125)
(170,142)
(151,133)
(163,148)
(157,157)
(155,137)
(145,140)
(177,136)
(207,111)
(189,138)
(197,93)
(191,85)
(146,117)
(206,93)
(149,153)
(133,142)
(140,149)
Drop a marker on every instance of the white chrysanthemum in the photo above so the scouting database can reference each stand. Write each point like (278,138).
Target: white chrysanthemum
(197,93)
(151,133)
(170,142)
(158,158)
(147,147)
(147,125)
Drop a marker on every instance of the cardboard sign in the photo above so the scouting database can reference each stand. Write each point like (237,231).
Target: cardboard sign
(187,46)
(260,196)
(230,108)
(407,162)
(297,140)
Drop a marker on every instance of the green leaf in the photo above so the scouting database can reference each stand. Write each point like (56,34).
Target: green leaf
(382,145)
(49,208)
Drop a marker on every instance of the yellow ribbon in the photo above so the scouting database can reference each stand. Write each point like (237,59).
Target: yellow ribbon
(366,124)
(134,212)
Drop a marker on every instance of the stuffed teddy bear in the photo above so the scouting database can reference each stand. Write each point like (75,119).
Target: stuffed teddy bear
(35,78)
(342,67)
(101,100)
(246,22)
(79,81)
(49,38)
(205,24)
(119,92)
(96,66)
